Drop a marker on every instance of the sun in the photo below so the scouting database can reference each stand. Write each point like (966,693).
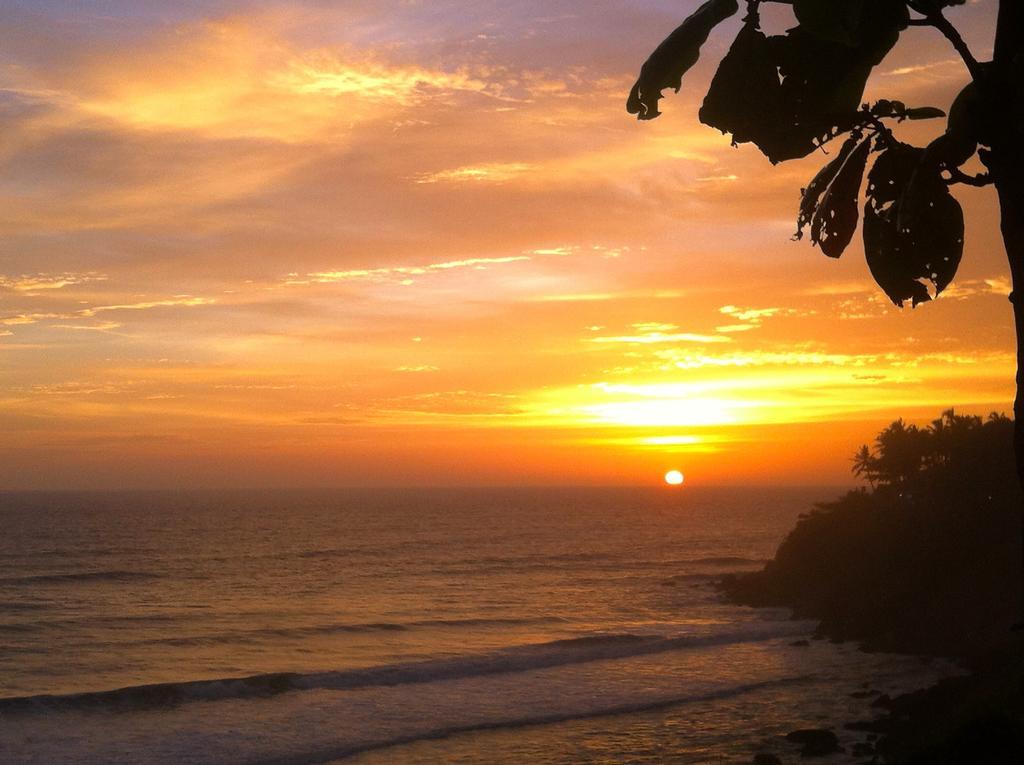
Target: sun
(673,478)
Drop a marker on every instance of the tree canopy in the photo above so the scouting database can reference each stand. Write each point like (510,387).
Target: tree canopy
(906,457)
(794,93)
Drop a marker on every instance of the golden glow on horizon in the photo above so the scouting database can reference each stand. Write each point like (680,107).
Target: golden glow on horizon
(674,478)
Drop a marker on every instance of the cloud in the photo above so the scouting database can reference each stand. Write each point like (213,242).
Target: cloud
(496,172)
(104,326)
(179,300)
(590,297)
(330,75)
(717,178)
(752,318)
(927,67)
(748,314)
(682,359)
(37,282)
(968,288)
(389,273)
(661,337)
(88,313)
(456,403)
(841,288)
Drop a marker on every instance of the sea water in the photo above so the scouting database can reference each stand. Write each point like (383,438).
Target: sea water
(419,626)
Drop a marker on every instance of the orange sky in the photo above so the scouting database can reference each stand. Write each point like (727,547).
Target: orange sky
(400,242)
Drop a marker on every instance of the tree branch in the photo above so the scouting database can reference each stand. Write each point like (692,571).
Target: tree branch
(956,175)
(883,132)
(935,18)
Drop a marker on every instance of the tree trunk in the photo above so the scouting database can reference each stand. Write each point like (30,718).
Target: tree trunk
(1005,98)
(1012,227)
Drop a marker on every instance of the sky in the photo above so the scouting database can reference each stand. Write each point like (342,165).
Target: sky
(392,242)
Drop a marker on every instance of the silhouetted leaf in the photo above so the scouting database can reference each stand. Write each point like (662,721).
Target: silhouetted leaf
(889,265)
(834,20)
(883,107)
(924,113)
(677,53)
(835,220)
(969,124)
(743,98)
(886,108)
(812,194)
(931,222)
(913,228)
(789,93)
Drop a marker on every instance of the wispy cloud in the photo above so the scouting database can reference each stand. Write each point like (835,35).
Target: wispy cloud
(177,300)
(88,313)
(968,288)
(38,282)
(495,172)
(389,273)
(926,67)
(652,338)
(752,318)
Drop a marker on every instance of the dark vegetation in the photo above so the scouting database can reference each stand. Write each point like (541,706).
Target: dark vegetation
(924,562)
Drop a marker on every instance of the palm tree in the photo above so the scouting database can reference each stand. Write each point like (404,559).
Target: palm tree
(864,465)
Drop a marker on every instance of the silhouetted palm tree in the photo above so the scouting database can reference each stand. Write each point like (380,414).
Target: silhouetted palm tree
(864,465)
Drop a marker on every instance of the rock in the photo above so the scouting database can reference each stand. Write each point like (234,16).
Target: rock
(871,727)
(862,694)
(863,750)
(884,701)
(814,742)
(763,758)
(801,643)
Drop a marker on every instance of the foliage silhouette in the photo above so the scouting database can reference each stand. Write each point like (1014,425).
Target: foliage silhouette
(921,562)
(794,93)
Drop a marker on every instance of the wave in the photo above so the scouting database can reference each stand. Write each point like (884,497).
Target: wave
(81,576)
(728,560)
(255,635)
(18,605)
(344,751)
(524,658)
(672,581)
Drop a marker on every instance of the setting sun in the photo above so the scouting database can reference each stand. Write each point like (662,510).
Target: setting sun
(674,478)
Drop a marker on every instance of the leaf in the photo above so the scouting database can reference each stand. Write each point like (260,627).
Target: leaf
(835,220)
(970,123)
(883,108)
(743,98)
(811,194)
(931,222)
(674,56)
(924,113)
(913,227)
(837,21)
(789,93)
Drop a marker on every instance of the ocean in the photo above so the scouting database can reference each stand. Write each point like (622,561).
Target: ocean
(411,626)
